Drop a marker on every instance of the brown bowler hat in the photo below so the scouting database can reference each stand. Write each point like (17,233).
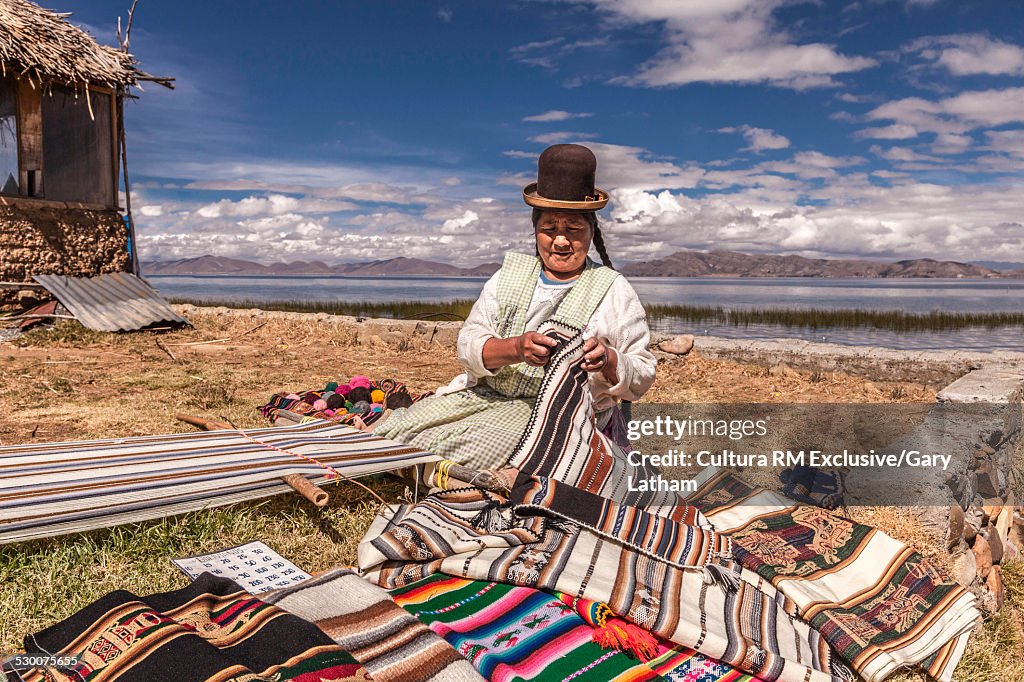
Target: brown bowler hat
(565,180)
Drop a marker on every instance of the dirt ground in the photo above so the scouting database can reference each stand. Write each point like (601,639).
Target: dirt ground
(70,383)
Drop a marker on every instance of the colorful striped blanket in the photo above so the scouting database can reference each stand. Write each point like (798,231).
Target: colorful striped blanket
(362,619)
(56,488)
(212,630)
(742,626)
(879,603)
(517,634)
(520,633)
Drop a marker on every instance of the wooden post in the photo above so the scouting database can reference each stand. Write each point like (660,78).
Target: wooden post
(133,247)
(30,138)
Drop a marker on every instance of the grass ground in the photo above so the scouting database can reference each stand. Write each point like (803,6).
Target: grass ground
(69,383)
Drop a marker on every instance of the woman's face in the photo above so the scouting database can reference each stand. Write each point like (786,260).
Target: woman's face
(563,241)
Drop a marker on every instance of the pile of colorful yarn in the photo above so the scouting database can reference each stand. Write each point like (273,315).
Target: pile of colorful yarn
(342,402)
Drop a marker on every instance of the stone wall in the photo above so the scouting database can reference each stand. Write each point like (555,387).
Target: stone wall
(40,239)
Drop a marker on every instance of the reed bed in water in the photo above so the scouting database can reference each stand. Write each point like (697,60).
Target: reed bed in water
(819,318)
(456,309)
(808,318)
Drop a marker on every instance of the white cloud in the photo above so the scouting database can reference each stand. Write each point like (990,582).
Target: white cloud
(953,115)
(557,115)
(559,137)
(896,131)
(152,210)
(1006,141)
(902,154)
(970,54)
(456,225)
(951,143)
(850,216)
(273,204)
(445,14)
(728,41)
(759,139)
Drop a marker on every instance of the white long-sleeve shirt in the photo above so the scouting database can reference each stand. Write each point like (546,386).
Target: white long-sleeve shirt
(619,322)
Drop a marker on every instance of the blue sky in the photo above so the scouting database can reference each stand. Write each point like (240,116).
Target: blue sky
(352,131)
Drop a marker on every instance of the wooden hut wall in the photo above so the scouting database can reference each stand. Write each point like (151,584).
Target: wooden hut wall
(78,149)
(67,147)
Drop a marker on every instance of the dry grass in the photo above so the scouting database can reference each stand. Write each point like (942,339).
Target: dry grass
(72,384)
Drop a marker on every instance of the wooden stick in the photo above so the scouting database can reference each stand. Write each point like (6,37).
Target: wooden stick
(22,285)
(488,480)
(302,486)
(298,482)
(165,349)
(227,338)
(38,316)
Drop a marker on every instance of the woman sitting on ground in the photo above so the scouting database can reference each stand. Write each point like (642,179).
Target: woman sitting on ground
(478,420)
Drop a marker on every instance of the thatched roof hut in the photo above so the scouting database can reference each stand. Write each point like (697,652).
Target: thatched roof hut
(61,145)
(38,44)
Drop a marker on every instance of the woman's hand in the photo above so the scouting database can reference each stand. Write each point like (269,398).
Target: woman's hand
(598,357)
(534,348)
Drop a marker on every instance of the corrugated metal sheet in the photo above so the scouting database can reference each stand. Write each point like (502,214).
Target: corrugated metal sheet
(109,303)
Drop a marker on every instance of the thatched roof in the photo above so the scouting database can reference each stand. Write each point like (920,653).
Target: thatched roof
(39,44)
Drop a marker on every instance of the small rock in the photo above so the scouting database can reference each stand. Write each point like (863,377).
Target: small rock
(965,569)
(987,449)
(662,356)
(1010,552)
(988,482)
(679,345)
(970,533)
(995,546)
(965,491)
(995,586)
(956,526)
(1002,523)
(982,556)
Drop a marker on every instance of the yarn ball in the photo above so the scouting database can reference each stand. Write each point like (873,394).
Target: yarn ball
(319,405)
(397,400)
(334,401)
(376,407)
(359,381)
(359,394)
(343,389)
(348,405)
(362,407)
(340,411)
(332,386)
(293,396)
(329,412)
(377,395)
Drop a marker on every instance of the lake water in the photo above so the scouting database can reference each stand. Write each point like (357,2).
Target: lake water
(909,295)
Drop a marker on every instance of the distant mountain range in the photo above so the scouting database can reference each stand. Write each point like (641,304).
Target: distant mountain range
(679,264)
(733,264)
(218,265)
